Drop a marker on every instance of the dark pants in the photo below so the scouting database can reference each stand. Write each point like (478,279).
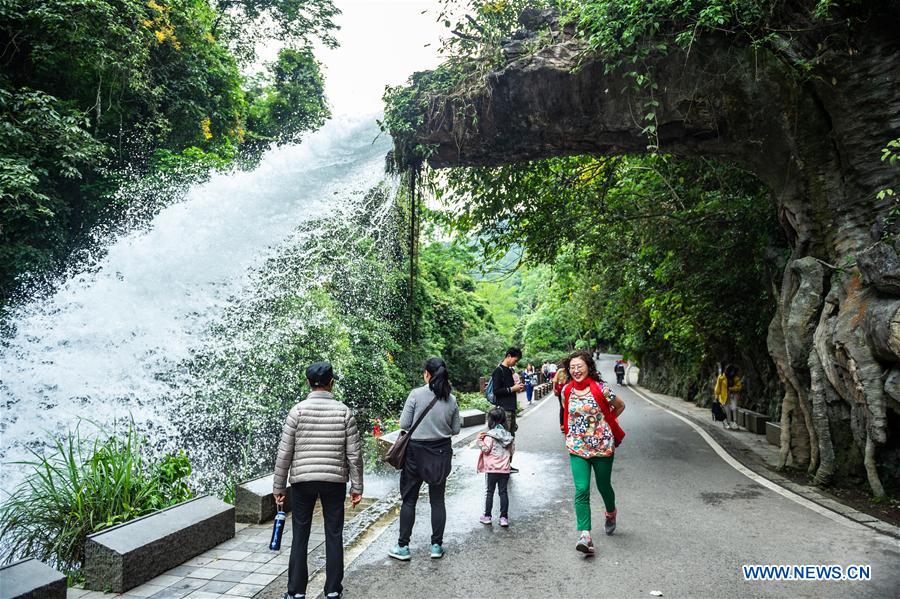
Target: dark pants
(497,481)
(511,425)
(426,461)
(303,500)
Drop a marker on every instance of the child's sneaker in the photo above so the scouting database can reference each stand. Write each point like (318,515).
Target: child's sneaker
(504,521)
(485,520)
(585,544)
(437,552)
(610,525)
(400,553)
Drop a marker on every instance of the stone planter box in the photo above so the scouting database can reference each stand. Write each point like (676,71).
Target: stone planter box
(122,557)
(254,502)
(773,433)
(740,417)
(756,422)
(472,418)
(31,579)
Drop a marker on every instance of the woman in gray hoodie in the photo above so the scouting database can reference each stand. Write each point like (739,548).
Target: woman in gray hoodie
(428,456)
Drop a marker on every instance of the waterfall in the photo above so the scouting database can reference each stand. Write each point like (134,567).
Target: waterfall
(103,344)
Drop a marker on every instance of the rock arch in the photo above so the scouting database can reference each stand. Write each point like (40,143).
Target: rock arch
(810,121)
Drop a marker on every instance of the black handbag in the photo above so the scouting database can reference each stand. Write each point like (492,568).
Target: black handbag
(396,455)
(717,411)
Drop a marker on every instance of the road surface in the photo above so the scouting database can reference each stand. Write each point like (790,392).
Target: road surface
(687,523)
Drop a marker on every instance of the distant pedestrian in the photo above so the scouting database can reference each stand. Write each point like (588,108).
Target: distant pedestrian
(428,456)
(592,432)
(497,446)
(529,383)
(720,396)
(545,373)
(559,382)
(735,386)
(320,450)
(620,372)
(552,369)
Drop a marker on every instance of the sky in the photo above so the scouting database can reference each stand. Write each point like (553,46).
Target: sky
(382,43)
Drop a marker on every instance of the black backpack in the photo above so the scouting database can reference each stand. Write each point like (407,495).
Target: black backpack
(717,412)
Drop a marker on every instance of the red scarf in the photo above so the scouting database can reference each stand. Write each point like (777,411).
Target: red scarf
(600,397)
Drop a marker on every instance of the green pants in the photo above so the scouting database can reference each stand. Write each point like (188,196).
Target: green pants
(581,475)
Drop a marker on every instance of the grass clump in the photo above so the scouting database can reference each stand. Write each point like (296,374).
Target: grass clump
(82,486)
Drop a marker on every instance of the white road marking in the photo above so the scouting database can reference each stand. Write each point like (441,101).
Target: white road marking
(834,516)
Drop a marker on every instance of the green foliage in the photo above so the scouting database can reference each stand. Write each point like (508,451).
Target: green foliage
(405,110)
(293,103)
(473,401)
(295,23)
(650,255)
(84,486)
(478,27)
(453,321)
(891,155)
(43,151)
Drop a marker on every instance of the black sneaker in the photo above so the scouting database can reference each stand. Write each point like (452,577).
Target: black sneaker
(610,525)
(289,596)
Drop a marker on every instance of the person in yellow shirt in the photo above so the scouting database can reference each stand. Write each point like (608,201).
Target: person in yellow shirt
(728,393)
(720,394)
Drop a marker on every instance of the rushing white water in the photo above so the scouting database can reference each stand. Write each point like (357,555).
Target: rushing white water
(98,347)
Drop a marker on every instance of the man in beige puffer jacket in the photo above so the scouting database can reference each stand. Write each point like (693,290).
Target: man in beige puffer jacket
(320,450)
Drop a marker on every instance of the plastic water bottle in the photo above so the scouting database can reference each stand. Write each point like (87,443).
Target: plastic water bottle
(277,529)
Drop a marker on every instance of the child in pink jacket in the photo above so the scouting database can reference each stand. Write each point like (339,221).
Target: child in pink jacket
(497,446)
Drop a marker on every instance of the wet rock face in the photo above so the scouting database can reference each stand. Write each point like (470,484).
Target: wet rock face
(808,138)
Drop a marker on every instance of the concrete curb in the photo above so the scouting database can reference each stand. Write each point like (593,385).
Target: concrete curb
(742,453)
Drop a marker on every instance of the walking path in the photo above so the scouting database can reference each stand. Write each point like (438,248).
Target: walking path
(688,520)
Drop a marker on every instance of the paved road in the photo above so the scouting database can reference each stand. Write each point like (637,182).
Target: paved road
(687,522)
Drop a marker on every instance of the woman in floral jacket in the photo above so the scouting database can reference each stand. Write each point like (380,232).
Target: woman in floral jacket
(591,426)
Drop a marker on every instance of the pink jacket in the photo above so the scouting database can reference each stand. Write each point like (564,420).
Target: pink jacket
(497,447)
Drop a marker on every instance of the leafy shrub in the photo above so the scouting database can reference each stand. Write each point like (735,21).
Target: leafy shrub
(85,486)
(470,401)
